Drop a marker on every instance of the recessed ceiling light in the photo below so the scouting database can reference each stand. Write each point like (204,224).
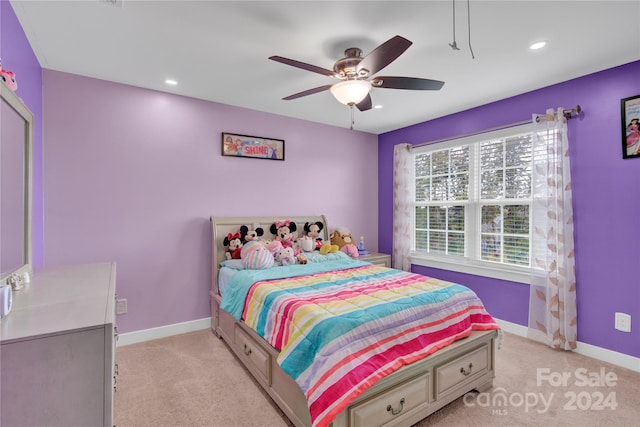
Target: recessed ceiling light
(377,107)
(171,82)
(538,45)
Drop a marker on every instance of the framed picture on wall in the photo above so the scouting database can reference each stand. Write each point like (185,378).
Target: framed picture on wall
(630,127)
(257,147)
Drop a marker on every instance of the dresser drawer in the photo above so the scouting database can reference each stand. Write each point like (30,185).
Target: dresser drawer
(461,370)
(252,352)
(391,406)
(376,258)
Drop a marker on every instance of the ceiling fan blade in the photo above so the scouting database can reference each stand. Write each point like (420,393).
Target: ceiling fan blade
(307,92)
(384,54)
(411,83)
(365,104)
(303,65)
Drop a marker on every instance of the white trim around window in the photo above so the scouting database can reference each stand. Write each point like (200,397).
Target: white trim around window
(468,266)
(472,264)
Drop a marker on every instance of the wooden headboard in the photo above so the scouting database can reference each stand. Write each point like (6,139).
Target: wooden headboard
(221,226)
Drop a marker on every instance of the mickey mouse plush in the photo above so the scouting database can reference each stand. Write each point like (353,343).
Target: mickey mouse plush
(234,245)
(250,235)
(283,230)
(313,230)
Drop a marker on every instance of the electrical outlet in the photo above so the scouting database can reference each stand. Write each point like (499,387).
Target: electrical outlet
(121,306)
(623,322)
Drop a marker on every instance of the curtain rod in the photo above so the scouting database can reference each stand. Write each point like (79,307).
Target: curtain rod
(568,114)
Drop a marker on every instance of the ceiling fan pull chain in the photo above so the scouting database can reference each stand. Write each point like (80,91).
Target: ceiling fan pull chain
(352,117)
(454,45)
(469,27)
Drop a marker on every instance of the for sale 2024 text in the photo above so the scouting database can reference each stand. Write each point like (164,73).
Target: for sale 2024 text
(592,398)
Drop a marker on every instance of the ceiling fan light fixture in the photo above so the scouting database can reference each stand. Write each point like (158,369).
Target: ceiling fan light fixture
(351,91)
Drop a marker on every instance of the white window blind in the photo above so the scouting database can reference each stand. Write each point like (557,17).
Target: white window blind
(473,202)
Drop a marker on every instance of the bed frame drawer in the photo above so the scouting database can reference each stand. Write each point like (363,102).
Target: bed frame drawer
(251,351)
(462,370)
(392,406)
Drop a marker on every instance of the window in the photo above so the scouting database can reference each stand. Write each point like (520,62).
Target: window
(473,202)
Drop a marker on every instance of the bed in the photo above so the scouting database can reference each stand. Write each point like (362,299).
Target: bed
(392,348)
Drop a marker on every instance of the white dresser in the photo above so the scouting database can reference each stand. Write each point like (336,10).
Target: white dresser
(57,349)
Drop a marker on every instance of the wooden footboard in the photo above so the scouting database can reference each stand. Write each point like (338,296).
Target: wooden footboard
(403,398)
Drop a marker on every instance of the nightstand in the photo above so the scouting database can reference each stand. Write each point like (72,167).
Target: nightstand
(377,259)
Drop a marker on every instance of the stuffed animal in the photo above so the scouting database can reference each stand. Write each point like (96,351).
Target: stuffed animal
(283,230)
(233,242)
(313,230)
(274,246)
(248,235)
(328,248)
(306,243)
(344,240)
(8,78)
(256,256)
(285,256)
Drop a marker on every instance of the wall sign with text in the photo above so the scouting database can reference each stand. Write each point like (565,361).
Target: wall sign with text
(252,146)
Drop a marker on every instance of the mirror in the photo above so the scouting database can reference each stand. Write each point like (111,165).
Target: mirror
(16,144)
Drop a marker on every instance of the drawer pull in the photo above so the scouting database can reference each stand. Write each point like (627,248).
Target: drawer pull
(466,373)
(396,411)
(247,350)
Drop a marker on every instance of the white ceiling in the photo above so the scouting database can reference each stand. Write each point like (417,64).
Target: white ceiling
(218,50)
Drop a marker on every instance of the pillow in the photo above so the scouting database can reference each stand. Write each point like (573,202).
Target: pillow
(236,264)
(316,256)
(256,256)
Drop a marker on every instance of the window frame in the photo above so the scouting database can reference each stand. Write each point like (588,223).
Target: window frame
(473,218)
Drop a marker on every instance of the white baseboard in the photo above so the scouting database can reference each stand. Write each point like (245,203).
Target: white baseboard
(163,331)
(512,328)
(609,356)
(613,357)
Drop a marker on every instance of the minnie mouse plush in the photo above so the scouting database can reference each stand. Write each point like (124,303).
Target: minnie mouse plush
(283,230)
(234,245)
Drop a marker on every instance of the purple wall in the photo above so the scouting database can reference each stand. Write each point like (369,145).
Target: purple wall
(605,195)
(17,56)
(133,175)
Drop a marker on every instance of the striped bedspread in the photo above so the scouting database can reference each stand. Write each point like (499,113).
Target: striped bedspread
(340,331)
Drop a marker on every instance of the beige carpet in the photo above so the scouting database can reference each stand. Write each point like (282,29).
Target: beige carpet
(194,380)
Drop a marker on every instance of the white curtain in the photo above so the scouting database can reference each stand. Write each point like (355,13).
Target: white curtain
(552,302)
(402,206)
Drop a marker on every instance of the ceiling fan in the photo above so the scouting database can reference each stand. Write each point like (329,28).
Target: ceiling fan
(356,74)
